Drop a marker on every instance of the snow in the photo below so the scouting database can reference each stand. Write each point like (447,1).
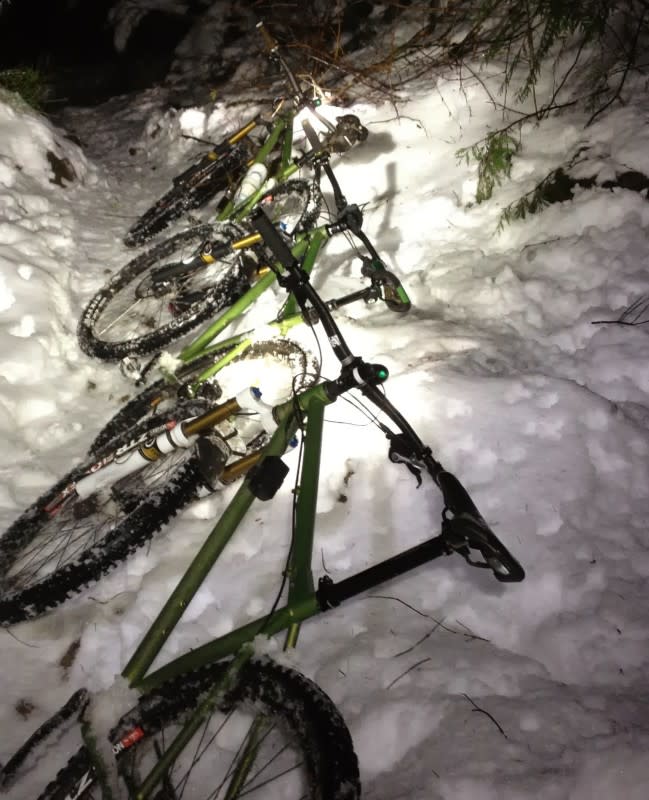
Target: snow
(453,686)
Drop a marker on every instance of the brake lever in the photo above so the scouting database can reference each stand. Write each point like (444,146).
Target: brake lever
(464,532)
(401,452)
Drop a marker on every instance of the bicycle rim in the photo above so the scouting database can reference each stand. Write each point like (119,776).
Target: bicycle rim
(193,189)
(132,315)
(61,544)
(244,752)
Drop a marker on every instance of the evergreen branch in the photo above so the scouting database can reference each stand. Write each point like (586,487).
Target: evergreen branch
(494,159)
(627,68)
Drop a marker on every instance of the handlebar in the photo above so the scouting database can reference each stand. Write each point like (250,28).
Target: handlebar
(300,98)
(273,51)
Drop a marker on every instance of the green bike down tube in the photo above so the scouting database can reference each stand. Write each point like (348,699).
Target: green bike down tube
(236,310)
(236,345)
(282,327)
(286,169)
(216,541)
(309,244)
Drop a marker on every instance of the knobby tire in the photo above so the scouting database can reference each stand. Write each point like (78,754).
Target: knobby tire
(303,713)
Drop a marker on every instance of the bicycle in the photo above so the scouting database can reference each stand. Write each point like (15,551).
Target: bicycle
(154,301)
(168,291)
(220,673)
(236,165)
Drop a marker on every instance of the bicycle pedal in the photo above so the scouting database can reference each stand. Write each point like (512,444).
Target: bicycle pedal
(131,369)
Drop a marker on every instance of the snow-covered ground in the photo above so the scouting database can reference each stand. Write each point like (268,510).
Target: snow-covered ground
(543,416)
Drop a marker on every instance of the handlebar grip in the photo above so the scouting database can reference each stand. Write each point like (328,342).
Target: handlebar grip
(269,41)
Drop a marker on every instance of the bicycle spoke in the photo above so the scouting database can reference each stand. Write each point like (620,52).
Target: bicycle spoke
(80,524)
(66,540)
(264,767)
(197,755)
(205,770)
(274,778)
(117,319)
(138,302)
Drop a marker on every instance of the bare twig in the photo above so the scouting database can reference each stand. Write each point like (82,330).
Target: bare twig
(417,643)
(635,314)
(108,600)
(399,600)
(324,566)
(468,633)
(483,84)
(410,669)
(627,68)
(438,623)
(486,713)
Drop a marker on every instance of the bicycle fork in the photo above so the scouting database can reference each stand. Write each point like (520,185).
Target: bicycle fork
(175,435)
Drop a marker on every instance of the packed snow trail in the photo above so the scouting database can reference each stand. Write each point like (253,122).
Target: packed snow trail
(454,687)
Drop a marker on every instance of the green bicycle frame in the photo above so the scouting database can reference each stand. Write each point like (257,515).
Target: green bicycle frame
(282,128)
(307,246)
(302,602)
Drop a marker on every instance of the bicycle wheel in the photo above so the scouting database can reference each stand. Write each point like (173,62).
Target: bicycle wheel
(64,542)
(195,187)
(281,366)
(132,315)
(302,746)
